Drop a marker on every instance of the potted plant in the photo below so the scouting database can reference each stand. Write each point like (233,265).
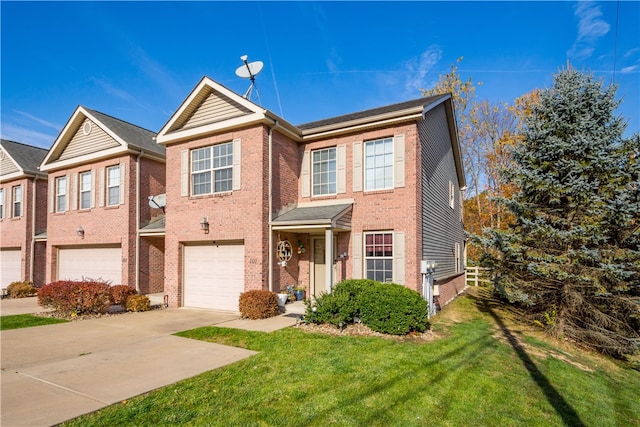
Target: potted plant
(299,292)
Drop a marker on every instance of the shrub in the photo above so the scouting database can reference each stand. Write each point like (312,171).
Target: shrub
(258,304)
(21,289)
(384,307)
(138,303)
(120,293)
(76,297)
(393,309)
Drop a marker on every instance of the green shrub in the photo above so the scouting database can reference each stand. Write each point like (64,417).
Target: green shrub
(393,309)
(120,293)
(138,303)
(258,304)
(21,289)
(384,307)
(76,297)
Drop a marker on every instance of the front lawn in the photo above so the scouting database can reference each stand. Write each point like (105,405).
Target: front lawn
(482,370)
(26,321)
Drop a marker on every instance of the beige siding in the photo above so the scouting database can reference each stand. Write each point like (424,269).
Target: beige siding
(6,165)
(81,144)
(208,107)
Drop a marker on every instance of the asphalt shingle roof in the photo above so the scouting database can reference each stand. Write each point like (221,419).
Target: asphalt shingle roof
(28,157)
(312,213)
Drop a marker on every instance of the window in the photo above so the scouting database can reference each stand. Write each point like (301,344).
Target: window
(1,203)
(113,185)
(457,255)
(61,194)
(324,171)
(85,190)
(451,195)
(378,160)
(17,201)
(379,256)
(212,169)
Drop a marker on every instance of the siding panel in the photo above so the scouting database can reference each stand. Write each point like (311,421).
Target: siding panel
(81,144)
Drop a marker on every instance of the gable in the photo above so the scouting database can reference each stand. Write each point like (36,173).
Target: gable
(7,165)
(83,142)
(209,106)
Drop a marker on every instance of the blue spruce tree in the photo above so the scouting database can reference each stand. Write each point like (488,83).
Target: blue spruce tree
(572,256)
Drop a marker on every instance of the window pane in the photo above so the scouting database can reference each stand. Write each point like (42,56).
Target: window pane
(324,171)
(379,164)
(379,256)
(201,183)
(113,196)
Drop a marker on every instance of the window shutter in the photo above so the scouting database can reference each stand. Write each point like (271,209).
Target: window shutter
(341,168)
(356,256)
(93,189)
(122,180)
(237,165)
(101,188)
(306,174)
(398,161)
(76,193)
(23,204)
(398,257)
(52,194)
(184,173)
(357,166)
(67,196)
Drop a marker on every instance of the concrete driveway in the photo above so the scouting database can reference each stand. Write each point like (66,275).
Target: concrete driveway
(57,372)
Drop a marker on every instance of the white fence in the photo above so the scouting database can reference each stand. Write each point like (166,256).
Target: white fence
(477,275)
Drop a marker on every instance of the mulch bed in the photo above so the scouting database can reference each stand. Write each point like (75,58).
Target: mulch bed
(361,330)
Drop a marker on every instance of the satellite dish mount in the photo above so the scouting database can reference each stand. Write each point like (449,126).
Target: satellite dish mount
(249,71)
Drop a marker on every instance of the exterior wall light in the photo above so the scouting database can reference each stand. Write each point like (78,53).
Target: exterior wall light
(80,232)
(204,225)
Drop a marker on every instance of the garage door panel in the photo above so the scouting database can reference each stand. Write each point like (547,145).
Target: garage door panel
(213,276)
(90,263)
(10,266)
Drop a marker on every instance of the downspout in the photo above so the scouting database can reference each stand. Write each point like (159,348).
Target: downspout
(33,230)
(270,191)
(138,221)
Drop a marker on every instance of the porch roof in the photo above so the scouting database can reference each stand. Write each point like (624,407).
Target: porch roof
(154,228)
(307,218)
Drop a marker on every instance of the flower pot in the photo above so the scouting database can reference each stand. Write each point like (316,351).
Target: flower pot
(299,295)
(282,299)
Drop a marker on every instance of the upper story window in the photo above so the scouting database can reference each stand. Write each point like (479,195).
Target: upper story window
(378,249)
(378,160)
(212,169)
(452,195)
(17,200)
(113,185)
(1,203)
(85,190)
(324,171)
(61,194)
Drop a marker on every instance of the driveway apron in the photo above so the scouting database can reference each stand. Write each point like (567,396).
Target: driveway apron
(57,372)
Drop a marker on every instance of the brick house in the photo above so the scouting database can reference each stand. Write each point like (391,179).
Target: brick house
(23,189)
(102,171)
(254,202)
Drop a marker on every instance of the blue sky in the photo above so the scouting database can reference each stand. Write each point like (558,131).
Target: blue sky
(138,61)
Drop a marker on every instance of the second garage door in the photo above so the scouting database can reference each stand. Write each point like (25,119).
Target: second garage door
(213,276)
(102,263)
(10,266)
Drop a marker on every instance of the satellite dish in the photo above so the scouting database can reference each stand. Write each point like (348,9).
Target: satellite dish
(158,202)
(249,71)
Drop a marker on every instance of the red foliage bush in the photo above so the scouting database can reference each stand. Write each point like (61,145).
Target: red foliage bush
(258,304)
(76,297)
(120,293)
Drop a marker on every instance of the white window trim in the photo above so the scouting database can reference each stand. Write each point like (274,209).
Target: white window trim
(15,201)
(392,162)
(82,191)
(2,203)
(389,258)
(61,207)
(108,185)
(452,195)
(212,169)
(313,175)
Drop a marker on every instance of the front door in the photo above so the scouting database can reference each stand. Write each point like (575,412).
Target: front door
(319,272)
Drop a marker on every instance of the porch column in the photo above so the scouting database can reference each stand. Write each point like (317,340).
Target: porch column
(328,259)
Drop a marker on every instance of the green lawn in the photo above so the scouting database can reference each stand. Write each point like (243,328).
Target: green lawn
(482,370)
(26,321)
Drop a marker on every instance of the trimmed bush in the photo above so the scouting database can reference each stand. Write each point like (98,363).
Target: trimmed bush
(138,303)
(384,307)
(76,297)
(120,293)
(393,309)
(258,304)
(21,289)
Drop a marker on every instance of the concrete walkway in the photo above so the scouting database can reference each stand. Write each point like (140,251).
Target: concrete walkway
(57,372)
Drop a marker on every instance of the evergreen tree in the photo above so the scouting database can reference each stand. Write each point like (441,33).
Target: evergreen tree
(572,256)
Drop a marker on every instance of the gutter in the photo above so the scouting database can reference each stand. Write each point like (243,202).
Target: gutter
(138,221)
(270,196)
(33,230)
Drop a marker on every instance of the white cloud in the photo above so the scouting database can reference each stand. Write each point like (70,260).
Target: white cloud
(114,91)
(39,120)
(631,69)
(590,28)
(631,52)
(27,136)
(417,70)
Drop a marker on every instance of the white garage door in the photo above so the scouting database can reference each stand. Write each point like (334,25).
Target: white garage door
(90,263)
(10,266)
(213,276)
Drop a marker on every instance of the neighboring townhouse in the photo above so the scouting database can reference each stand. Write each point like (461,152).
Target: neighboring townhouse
(254,202)
(23,201)
(102,172)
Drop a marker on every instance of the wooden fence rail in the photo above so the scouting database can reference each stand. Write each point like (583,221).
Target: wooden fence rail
(477,275)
